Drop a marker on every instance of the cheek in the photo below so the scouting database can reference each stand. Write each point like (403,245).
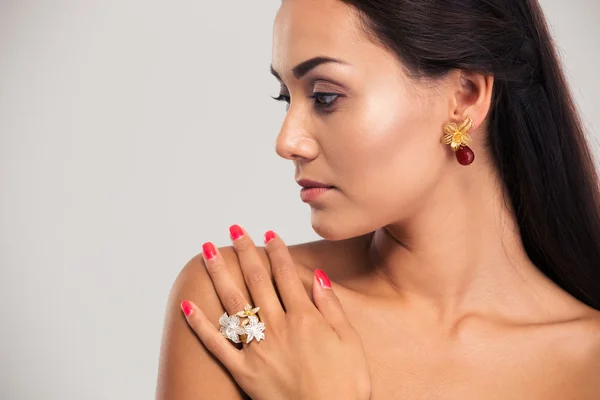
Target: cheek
(390,154)
(371,132)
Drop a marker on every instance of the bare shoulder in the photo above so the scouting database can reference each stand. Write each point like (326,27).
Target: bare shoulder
(575,347)
(586,345)
(586,356)
(582,338)
(187,369)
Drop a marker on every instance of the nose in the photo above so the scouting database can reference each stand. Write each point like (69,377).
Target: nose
(295,143)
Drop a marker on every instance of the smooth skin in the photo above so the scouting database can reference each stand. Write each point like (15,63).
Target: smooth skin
(306,342)
(424,254)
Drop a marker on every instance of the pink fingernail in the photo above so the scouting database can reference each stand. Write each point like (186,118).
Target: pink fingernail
(269,235)
(323,279)
(186,306)
(235,232)
(209,250)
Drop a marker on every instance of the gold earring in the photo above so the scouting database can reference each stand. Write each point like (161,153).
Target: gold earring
(458,138)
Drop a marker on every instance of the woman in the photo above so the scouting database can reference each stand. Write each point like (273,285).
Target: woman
(447,170)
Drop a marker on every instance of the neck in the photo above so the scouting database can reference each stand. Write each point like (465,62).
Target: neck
(460,251)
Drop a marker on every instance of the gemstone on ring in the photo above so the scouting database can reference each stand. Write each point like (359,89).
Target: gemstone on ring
(254,329)
(244,325)
(247,311)
(230,327)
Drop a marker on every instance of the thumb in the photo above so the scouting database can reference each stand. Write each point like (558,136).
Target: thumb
(329,304)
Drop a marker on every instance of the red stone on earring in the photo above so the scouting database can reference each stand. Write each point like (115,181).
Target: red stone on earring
(465,155)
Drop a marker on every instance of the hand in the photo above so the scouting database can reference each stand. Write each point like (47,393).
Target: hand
(307,353)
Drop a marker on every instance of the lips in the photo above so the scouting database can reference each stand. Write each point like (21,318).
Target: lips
(312,190)
(308,184)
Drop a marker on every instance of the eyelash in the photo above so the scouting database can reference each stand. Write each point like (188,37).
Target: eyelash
(316,95)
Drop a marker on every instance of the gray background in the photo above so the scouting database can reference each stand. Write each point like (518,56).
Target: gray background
(131,132)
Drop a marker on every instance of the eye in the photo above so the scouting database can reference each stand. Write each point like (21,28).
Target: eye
(324,100)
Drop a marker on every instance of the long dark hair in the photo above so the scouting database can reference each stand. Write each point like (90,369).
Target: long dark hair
(535,135)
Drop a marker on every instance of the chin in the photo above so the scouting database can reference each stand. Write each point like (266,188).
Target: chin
(329,234)
(331,228)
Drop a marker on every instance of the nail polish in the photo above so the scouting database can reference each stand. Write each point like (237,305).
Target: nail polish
(186,307)
(209,250)
(323,279)
(235,232)
(269,235)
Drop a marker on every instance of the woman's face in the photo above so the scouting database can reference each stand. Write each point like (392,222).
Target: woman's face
(374,137)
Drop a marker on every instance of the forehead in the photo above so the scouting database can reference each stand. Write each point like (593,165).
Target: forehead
(304,29)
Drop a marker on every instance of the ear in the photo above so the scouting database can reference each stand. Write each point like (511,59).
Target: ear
(472,96)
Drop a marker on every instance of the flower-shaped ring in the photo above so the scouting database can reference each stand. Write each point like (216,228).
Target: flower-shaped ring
(242,326)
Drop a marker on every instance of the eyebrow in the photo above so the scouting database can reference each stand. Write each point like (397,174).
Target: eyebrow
(304,67)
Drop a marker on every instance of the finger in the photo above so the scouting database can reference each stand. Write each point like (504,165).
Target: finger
(286,277)
(229,293)
(255,274)
(212,339)
(330,306)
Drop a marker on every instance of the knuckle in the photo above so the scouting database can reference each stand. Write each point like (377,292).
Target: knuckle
(214,267)
(283,271)
(256,279)
(243,244)
(235,303)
